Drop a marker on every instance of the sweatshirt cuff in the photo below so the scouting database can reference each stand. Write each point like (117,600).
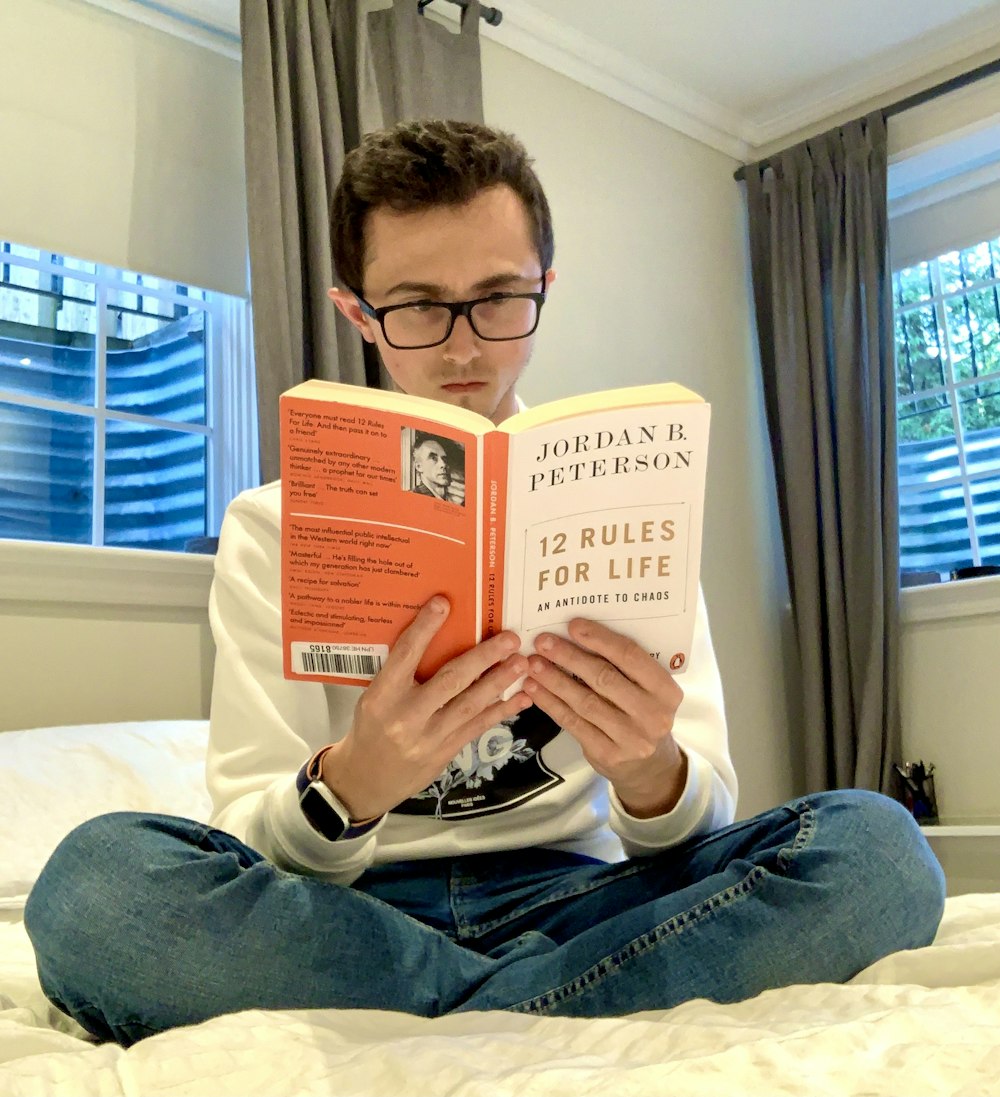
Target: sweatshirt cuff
(294,844)
(691,815)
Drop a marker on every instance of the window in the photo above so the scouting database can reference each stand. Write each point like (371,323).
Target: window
(948,404)
(113,407)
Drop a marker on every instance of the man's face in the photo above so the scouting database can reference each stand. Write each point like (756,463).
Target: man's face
(451,253)
(431,461)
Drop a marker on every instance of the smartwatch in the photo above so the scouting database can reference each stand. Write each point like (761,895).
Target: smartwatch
(323,811)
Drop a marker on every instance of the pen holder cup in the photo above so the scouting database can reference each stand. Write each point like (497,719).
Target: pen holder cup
(921,802)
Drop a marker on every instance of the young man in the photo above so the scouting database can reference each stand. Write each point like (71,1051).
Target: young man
(596,870)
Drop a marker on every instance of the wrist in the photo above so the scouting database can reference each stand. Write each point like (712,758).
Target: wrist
(660,789)
(323,809)
(329,766)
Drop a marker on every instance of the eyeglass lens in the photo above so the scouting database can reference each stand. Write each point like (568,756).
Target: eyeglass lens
(424,325)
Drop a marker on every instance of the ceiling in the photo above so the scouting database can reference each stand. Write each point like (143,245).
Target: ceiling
(739,75)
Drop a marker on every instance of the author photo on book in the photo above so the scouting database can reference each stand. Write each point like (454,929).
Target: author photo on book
(437,467)
(551,832)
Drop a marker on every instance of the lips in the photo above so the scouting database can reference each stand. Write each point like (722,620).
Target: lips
(464,386)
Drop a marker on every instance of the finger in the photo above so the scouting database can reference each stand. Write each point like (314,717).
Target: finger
(482,695)
(579,707)
(459,673)
(597,675)
(489,717)
(630,659)
(409,648)
(627,655)
(595,742)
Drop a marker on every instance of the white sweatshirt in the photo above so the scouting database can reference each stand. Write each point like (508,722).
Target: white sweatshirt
(526,784)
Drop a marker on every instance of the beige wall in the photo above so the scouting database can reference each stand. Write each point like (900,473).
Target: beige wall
(951,693)
(121,144)
(652,286)
(96,635)
(97,664)
(950,689)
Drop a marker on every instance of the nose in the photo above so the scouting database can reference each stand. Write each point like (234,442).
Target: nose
(462,345)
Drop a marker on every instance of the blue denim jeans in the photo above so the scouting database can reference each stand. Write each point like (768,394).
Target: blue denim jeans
(144,922)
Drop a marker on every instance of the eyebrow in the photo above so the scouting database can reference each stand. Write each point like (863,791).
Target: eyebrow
(431,289)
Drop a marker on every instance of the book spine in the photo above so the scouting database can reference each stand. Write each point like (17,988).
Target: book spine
(494,539)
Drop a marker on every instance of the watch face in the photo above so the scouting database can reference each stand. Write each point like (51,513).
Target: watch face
(321,814)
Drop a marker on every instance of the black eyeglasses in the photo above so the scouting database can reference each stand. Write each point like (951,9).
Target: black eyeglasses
(420,324)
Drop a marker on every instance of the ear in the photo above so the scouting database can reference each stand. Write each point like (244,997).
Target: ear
(549,278)
(347,303)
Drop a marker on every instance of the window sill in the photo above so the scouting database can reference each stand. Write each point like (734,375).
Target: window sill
(32,571)
(951,601)
(963,828)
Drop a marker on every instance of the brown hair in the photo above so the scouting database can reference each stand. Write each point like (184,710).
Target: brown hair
(418,165)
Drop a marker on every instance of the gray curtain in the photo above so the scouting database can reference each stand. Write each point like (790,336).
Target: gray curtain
(420,68)
(317,74)
(822,290)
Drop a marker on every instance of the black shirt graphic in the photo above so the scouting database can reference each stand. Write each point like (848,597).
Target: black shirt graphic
(498,771)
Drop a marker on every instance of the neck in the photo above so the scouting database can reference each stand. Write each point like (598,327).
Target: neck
(505,409)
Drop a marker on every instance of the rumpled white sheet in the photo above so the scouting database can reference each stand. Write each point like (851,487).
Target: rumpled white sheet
(920,1023)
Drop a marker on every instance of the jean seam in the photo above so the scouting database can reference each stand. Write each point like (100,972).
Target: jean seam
(805,835)
(673,926)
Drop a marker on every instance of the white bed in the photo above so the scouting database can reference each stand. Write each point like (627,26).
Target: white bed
(924,1022)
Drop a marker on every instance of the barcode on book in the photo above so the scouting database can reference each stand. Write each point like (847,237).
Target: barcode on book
(339,660)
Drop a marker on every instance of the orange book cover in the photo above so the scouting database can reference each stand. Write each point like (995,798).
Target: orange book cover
(591,505)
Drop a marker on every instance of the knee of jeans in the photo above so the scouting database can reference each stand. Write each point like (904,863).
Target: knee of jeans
(73,887)
(897,883)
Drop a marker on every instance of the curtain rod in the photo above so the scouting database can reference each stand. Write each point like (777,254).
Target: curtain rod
(917,99)
(491,15)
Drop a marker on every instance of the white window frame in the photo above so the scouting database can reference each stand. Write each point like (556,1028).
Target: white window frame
(936,165)
(231,454)
(951,389)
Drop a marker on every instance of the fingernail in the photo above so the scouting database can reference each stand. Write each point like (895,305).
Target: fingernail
(439,604)
(544,643)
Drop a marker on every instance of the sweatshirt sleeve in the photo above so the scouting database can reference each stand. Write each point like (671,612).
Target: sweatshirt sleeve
(263,727)
(708,801)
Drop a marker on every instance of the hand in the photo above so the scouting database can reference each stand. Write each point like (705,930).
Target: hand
(404,734)
(619,704)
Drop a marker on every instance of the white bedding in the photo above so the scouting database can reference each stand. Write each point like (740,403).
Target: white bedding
(923,1022)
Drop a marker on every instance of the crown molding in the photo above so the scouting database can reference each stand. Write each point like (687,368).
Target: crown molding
(621,78)
(212,24)
(551,43)
(919,63)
